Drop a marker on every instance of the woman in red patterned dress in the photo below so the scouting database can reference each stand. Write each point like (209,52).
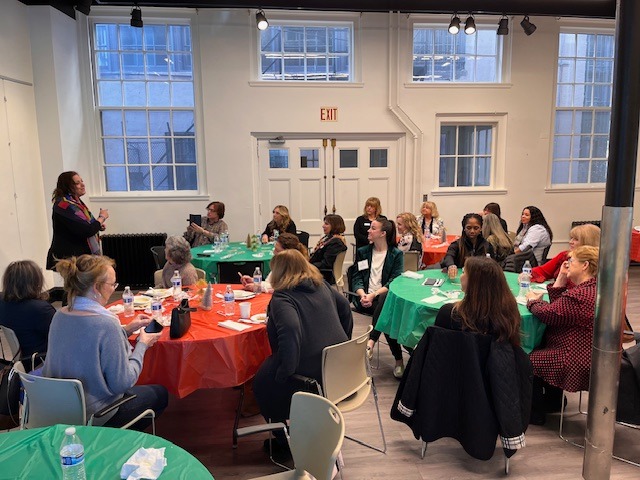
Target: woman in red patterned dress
(564,359)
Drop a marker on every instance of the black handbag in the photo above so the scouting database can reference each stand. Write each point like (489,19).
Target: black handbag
(180,319)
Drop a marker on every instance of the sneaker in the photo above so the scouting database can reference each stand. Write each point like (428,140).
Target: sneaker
(398,371)
(370,353)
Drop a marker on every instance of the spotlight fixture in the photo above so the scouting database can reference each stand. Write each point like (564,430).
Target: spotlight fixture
(527,26)
(136,17)
(454,25)
(261,20)
(470,25)
(503,26)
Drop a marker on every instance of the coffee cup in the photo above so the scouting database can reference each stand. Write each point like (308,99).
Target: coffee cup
(245,310)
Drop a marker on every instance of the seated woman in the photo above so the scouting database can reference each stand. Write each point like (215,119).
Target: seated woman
(493,207)
(430,221)
(563,362)
(372,210)
(24,309)
(286,241)
(582,235)
(87,342)
(493,232)
(305,315)
(533,233)
(329,246)
(470,244)
(281,223)
(178,255)
(377,265)
(212,225)
(411,237)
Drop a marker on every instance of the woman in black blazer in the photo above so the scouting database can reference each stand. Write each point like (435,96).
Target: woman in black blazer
(329,247)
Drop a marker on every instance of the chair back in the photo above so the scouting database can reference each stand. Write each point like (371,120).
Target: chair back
(316,432)
(9,345)
(411,259)
(337,270)
(202,275)
(303,237)
(158,256)
(157,278)
(344,368)
(228,271)
(49,401)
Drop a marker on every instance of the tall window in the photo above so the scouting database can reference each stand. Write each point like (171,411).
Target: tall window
(466,155)
(583,108)
(144,92)
(317,53)
(439,56)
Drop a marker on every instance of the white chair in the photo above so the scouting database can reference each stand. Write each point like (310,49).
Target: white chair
(315,436)
(337,271)
(411,260)
(9,345)
(49,401)
(157,278)
(202,275)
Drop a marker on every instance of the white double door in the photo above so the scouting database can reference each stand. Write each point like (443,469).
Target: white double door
(317,176)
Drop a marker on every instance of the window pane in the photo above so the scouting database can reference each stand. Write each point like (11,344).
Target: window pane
(271,39)
(604,46)
(602,123)
(183,123)
(562,146)
(130,38)
(563,121)
(316,68)
(598,171)
(309,158)
(162,178)
(180,66)
(583,121)
(179,38)
(566,70)
(271,68)
(139,179)
(581,146)
(316,39)
(567,45)
(113,151)
(483,143)
(186,178)
(483,172)
(157,66)
(107,66)
(465,140)
(278,158)
(447,171)
(580,172)
(348,158)
(133,66)
(161,150)
(564,96)
(155,37)
(185,150)
(116,178)
(486,42)
(443,42)
(294,68)
(158,94)
(111,122)
(134,94)
(159,124)
(600,146)
(110,94)
(137,151)
(465,172)
(293,39)
(182,94)
(106,37)
(339,69)
(560,172)
(464,69)
(447,140)
(339,39)
(486,69)
(135,123)
(378,158)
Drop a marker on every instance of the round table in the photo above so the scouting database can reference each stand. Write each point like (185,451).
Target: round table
(36,453)
(204,257)
(405,316)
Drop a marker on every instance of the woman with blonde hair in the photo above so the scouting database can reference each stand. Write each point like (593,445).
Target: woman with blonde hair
(281,223)
(430,221)
(372,210)
(305,316)
(87,342)
(493,233)
(411,237)
(329,246)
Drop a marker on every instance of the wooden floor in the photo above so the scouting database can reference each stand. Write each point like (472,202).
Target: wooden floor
(202,424)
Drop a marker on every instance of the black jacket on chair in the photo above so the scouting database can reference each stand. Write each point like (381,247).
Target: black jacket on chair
(466,386)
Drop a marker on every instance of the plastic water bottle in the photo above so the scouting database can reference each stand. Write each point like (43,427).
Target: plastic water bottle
(127,301)
(176,281)
(156,308)
(229,302)
(525,283)
(72,456)
(444,235)
(526,268)
(257,280)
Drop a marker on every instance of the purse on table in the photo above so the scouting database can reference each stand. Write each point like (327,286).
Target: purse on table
(180,319)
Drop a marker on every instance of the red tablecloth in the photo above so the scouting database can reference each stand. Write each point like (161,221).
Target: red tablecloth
(635,246)
(207,356)
(434,251)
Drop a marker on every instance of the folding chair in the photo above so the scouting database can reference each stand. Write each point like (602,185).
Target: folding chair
(158,256)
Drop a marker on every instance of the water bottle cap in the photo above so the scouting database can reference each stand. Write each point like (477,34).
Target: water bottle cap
(70,431)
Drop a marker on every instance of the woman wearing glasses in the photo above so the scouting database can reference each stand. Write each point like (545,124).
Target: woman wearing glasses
(470,244)
(211,226)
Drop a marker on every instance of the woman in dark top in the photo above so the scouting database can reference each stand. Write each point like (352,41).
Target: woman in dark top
(372,210)
(75,230)
(329,247)
(23,307)
(305,315)
(281,223)
(470,244)
(494,208)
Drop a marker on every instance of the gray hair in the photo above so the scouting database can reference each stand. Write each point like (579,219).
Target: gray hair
(178,250)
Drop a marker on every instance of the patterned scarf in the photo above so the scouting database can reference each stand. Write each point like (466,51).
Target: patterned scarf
(73,205)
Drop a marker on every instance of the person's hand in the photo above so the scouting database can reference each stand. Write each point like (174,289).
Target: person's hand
(247,282)
(140,321)
(367,299)
(148,339)
(104,213)
(103,227)
(533,296)
(564,269)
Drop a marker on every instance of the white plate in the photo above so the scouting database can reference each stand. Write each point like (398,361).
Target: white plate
(161,292)
(243,294)
(259,318)
(140,302)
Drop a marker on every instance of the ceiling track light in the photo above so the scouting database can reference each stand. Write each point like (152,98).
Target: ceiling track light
(527,26)
(261,20)
(470,25)
(136,17)
(454,25)
(503,26)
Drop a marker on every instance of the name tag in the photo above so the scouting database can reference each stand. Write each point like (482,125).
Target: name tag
(367,224)
(363,265)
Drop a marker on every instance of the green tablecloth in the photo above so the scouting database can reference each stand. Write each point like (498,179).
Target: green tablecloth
(406,317)
(235,252)
(35,454)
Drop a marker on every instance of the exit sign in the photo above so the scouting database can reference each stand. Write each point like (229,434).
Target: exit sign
(328,114)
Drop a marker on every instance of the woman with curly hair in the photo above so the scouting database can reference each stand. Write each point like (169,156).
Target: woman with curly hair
(178,253)
(533,233)
(411,237)
(430,221)
(281,223)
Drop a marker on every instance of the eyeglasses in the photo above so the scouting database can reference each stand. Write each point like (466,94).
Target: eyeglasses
(114,285)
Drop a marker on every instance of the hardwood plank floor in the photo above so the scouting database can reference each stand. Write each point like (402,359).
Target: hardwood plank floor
(202,424)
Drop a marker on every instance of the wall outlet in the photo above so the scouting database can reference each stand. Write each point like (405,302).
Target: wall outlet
(425,197)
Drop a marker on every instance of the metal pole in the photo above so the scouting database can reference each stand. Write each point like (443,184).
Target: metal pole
(617,219)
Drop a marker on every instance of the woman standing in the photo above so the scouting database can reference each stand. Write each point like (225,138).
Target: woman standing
(470,244)
(377,265)
(281,223)
(212,225)
(178,255)
(329,246)
(75,230)
(430,221)
(411,237)
(563,363)
(87,342)
(372,210)
(533,233)
(496,236)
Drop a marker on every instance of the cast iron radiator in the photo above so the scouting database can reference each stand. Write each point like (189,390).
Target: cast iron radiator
(132,253)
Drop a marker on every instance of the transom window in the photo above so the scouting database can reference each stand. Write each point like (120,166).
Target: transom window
(583,108)
(439,56)
(466,155)
(143,79)
(316,53)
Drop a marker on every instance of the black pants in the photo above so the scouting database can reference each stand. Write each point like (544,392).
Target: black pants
(545,398)
(375,309)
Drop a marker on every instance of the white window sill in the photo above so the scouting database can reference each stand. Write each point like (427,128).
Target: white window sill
(456,85)
(577,189)
(468,191)
(284,83)
(133,197)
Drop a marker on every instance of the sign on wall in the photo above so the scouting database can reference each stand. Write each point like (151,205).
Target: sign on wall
(328,114)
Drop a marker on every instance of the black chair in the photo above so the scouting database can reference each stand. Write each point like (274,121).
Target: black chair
(158,256)
(303,237)
(228,271)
